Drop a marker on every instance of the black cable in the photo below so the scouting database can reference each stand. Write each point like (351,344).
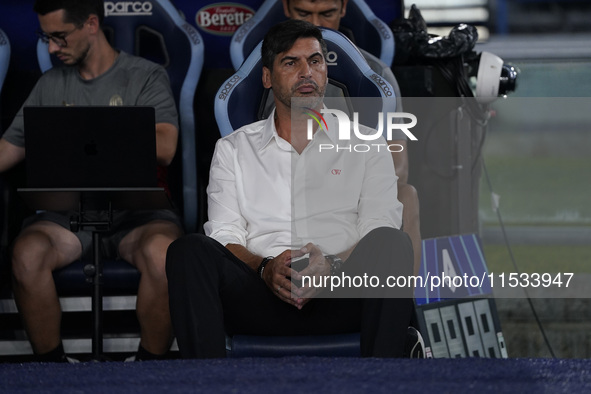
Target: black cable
(506,239)
(454,72)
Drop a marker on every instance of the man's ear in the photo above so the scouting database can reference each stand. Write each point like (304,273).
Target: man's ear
(344,9)
(266,78)
(93,23)
(286,9)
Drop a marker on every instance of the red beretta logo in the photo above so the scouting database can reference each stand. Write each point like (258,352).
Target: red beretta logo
(223,18)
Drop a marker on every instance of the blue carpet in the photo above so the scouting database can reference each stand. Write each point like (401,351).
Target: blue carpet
(302,375)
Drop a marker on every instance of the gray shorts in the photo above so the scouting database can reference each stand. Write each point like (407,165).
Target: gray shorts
(122,223)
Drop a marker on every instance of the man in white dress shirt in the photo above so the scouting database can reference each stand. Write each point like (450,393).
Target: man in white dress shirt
(276,199)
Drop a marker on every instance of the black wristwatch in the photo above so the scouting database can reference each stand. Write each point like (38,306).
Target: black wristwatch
(262,265)
(336,263)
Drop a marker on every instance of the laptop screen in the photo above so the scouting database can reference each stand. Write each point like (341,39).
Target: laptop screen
(90,146)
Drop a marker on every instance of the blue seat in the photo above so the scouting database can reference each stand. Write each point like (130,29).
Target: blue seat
(239,102)
(163,36)
(4,56)
(368,31)
(4,62)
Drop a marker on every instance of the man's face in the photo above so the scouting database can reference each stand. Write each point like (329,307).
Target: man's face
(298,72)
(75,38)
(323,13)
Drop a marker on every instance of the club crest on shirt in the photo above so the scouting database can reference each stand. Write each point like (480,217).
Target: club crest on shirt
(116,101)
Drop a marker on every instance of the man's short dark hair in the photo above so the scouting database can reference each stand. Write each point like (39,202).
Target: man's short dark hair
(282,36)
(76,11)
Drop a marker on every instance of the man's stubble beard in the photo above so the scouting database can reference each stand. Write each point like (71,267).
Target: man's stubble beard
(80,60)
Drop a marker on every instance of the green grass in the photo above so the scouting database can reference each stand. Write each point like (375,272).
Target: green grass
(539,258)
(545,190)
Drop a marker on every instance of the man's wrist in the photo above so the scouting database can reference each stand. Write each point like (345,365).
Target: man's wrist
(335,262)
(263,264)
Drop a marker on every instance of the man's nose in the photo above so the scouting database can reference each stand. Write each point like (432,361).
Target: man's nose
(315,19)
(305,70)
(52,47)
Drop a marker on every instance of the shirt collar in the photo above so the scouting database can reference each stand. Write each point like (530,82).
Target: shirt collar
(269,132)
(333,128)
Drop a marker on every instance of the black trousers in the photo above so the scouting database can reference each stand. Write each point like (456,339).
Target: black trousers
(213,293)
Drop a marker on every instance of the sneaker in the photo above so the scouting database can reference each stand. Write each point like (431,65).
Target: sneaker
(72,360)
(414,346)
(130,359)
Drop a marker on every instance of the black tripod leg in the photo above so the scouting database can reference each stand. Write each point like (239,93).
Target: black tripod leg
(97,300)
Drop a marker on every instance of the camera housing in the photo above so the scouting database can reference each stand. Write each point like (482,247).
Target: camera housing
(494,78)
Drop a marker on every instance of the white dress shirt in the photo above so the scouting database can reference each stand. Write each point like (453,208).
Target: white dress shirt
(265,196)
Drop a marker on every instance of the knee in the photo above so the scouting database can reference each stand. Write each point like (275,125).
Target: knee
(186,250)
(187,244)
(388,237)
(391,238)
(28,252)
(153,253)
(390,243)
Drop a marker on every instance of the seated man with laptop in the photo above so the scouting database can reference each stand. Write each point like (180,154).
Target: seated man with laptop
(94,74)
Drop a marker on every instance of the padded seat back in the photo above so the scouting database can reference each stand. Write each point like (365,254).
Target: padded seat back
(359,23)
(4,62)
(241,99)
(4,56)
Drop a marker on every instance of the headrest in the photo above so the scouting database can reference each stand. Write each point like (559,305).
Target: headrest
(153,30)
(239,99)
(359,23)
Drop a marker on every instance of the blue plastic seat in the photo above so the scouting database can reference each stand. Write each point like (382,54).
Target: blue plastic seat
(4,56)
(4,62)
(240,99)
(368,31)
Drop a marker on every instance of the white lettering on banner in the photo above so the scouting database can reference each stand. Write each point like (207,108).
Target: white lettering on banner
(223,18)
(126,8)
(205,19)
(448,267)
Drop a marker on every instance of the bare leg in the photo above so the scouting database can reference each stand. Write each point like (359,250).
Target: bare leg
(407,195)
(39,250)
(145,247)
